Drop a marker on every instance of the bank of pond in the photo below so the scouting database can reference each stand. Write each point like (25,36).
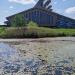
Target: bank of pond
(34,32)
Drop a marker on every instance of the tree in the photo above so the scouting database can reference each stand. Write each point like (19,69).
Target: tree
(18,21)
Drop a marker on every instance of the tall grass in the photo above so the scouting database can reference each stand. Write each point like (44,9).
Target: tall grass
(34,32)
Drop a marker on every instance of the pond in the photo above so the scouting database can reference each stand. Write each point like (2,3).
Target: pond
(12,62)
(46,58)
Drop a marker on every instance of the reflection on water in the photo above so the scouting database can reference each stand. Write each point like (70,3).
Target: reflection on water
(11,62)
(8,56)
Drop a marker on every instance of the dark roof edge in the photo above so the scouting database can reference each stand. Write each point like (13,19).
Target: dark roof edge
(63,16)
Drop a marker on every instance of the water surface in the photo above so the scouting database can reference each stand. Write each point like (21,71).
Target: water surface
(38,55)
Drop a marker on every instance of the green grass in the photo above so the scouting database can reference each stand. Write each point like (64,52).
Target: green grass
(34,32)
(47,32)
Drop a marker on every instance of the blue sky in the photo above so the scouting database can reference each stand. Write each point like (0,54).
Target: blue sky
(10,7)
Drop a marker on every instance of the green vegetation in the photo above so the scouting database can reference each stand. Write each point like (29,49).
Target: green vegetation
(73,74)
(32,24)
(18,21)
(34,32)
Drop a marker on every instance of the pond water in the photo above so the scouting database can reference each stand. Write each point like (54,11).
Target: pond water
(12,63)
(64,54)
(8,56)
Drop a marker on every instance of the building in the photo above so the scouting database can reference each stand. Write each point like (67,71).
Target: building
(43,15)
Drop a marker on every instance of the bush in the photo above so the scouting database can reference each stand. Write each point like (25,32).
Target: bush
(32,24)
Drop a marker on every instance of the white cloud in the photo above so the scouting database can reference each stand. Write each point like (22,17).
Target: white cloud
(74,17)
(55,2)
(22,1)
(70,10)
(11,7)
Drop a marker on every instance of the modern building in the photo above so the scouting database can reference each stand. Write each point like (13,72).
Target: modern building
(43,15)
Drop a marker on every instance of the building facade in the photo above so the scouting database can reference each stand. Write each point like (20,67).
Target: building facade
(43,15)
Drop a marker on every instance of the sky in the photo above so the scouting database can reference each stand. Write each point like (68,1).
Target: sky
(10,7)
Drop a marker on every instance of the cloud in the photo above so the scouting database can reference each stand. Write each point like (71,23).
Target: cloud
(70,10)
(74,18)
(11,7)
(23,1)
(55,2)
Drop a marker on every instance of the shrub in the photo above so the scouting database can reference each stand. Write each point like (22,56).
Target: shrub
(32,24)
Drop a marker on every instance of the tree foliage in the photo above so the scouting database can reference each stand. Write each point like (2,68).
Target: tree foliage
(18,21)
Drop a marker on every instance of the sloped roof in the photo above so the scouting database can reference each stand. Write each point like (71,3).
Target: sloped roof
(49,12)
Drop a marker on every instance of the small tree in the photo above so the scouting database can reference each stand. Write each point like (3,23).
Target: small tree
(18,21)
